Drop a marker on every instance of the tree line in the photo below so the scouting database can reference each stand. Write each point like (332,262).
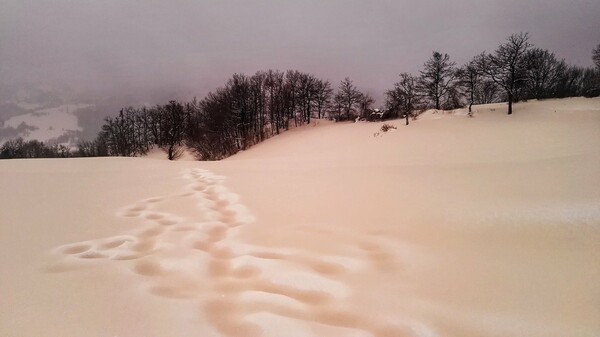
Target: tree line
(245,111)
(515,71)
(19,148)
(249,109)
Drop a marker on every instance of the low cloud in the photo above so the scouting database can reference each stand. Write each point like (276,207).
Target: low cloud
(22,130)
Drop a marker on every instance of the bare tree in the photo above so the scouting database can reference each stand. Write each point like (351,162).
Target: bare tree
(274,86)
(337,107)
(365,103)
(487,92)
(306,96)
(570,82)
(543,72)
(323,92)
(403,99)
(257,107)
(590,84)
(506,67)
(349,97)
(469,79)
(437,77)
(119,134)
(216,130)
(290,96)
(174,129)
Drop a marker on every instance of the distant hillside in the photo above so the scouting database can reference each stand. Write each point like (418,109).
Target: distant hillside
(60,114)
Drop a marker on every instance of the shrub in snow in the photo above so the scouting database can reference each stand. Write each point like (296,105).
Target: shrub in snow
(386,127)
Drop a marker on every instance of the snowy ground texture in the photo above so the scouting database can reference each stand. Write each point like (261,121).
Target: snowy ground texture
(451,226)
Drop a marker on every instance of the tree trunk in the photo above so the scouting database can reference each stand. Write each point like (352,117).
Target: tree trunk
(472,98)
(406,115)
(510,102)
(170,152)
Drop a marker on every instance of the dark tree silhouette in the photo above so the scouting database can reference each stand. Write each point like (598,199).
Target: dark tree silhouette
(273,86)
(306,97)
(19,148)
(437,78)
(590,84)
(543,72)
(250,109)
(94,148)
(469,80)
(487,92)
(507,66)
(570,82)
(174,128)
(365,104)
(290,95)
(596,56)
(349,97)
(336,107)
(323,93)
(403,99)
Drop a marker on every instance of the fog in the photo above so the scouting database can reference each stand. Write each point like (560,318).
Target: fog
(152,50)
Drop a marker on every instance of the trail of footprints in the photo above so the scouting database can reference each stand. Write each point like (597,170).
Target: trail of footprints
(240,288)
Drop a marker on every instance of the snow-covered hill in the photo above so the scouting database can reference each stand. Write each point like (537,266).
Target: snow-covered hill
(451,226)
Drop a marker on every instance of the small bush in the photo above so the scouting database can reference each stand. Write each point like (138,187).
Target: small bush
(386,127)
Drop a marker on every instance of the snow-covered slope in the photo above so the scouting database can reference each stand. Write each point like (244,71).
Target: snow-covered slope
(451,226)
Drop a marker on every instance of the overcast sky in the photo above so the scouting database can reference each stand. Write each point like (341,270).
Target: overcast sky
(115,46)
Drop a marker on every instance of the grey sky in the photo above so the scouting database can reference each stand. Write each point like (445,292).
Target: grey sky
(116,46)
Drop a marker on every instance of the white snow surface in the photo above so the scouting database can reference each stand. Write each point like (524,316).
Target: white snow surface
(450,226)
